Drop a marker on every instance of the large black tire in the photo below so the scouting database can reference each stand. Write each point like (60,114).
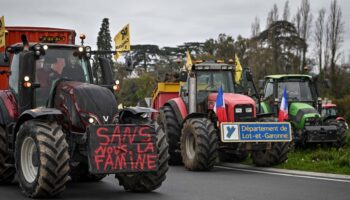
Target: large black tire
(341,132)
(277,154)
(173,133)
(147,182)
(7,171)
(41,159)
(270,157)
(199,144)
(80,173)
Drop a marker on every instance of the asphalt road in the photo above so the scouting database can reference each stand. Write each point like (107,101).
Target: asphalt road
(221,184)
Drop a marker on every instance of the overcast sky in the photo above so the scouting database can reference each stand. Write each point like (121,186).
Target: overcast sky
(161,22)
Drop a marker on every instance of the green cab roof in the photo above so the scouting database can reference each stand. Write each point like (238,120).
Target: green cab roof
(278,76)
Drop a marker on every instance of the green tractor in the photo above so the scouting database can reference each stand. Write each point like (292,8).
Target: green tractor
(304,108)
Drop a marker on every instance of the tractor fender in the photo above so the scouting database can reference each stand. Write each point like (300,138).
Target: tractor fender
(195,115)
(41,112)
(179,107)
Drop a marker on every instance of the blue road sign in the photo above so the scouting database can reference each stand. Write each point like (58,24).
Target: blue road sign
(256,132)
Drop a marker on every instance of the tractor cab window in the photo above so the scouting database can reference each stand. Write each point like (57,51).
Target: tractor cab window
(268,90)
(297,90)
(13,79)
(57,64)
(61,63)
(329,112)
(211,81)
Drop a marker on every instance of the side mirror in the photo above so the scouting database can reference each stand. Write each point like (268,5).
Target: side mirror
(26,68)
(129,64)
(183,76)
(327,83)
(106,71)
(261,84)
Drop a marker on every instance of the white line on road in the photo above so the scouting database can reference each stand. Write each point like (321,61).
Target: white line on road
(284,174)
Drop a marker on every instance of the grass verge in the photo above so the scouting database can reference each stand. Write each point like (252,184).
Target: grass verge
(317,159)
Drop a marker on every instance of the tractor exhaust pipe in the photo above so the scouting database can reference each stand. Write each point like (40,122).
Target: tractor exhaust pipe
(192,94)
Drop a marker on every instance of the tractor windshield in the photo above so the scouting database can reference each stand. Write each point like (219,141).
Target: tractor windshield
(61,63)
(331,111)
(58,63)
(296,90)
(212,80)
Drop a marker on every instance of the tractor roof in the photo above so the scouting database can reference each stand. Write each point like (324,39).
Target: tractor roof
(213,65)
(279,76)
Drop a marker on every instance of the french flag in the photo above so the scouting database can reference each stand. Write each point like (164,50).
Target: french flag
(219,107)
(283,113)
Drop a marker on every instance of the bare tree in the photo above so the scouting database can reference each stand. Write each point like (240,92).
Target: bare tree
(272,16)
(319,37)
(255,27)
(297,24)
(335,25)
(306,20)
(286,11)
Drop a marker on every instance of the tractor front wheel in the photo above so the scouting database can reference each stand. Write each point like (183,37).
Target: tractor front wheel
(341,132)
(199,144)
(148,182)
(270,157)
(41,159)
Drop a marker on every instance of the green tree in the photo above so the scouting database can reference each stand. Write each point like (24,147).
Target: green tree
(104,40)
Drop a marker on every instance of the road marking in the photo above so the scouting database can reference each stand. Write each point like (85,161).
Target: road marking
(285,174)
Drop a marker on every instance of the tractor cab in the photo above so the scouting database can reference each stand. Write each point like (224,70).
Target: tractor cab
(209,77)
(304,109)
(300,88)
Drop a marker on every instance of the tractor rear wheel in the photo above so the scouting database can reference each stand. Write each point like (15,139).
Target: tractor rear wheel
(341,132)
(80,173)
(41,159)
(148,182)
(270,157)
(173,133)
(199,144)
(7,171)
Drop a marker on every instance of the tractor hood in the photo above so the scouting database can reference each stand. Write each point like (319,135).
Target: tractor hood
(299,113)
(233,99)
(81,101)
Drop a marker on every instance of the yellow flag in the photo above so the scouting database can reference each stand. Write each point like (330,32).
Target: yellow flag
(2,32)
(122,41)
(238,70)
(188,61)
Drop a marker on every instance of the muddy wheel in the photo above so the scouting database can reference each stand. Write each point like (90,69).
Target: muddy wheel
(199,144)
(341,132)
(7,171)
(80,173)
(173,133)
(277,154)
(41,159)
(270,157)
(148,182)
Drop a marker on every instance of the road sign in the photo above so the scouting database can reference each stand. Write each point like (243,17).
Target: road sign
(256,132)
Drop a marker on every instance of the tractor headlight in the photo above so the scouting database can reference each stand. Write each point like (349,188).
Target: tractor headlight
(80,49)
(87,49)
(248,110)
(238,110)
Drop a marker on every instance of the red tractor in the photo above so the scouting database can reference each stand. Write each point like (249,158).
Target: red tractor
(330,113)
(195,134)
(57,125)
